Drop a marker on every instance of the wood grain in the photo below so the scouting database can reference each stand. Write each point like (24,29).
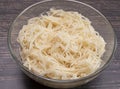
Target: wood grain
(11,77)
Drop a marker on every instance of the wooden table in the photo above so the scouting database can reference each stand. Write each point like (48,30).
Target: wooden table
(11,77)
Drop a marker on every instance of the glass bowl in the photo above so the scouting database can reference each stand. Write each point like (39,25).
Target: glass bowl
(99,22)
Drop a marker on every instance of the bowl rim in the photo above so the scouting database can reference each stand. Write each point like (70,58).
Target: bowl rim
(57,80)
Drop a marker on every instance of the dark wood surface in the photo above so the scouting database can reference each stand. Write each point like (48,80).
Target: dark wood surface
(11,77)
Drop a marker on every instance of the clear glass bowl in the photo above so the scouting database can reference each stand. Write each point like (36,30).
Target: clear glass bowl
(99,22)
